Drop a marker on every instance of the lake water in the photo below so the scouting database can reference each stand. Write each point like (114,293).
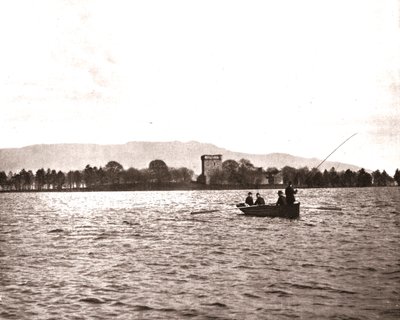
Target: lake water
(142,255)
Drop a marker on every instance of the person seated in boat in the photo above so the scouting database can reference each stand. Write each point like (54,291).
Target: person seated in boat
(281,200)
(290,192)
(259,201)
(249,200)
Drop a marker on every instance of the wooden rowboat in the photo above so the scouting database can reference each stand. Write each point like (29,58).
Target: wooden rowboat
(289,211)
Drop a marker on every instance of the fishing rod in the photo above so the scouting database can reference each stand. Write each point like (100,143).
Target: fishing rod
(336,149)
(311,171)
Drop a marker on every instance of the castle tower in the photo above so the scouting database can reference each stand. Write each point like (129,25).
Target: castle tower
(209,164)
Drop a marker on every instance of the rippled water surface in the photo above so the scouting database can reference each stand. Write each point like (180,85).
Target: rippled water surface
(143,255)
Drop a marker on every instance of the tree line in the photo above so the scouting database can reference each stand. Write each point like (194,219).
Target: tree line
(238,174)
(337,179)
(243,173)
(113,173)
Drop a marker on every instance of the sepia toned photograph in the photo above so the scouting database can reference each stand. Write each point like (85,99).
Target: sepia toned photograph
(199,159)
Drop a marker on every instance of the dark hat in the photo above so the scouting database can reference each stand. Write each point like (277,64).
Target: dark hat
(249,193)
(257,194)
(280,192)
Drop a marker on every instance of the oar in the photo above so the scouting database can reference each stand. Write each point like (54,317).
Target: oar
(324,208)
(204,211)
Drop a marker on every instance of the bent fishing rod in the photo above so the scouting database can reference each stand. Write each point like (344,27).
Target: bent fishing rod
(336,149)
(311,171)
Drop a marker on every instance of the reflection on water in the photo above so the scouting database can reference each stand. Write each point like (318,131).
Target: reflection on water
(139,255)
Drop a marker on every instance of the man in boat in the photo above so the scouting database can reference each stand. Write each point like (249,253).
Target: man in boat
(249,200)
(281,200)
(290,192)
(259,201)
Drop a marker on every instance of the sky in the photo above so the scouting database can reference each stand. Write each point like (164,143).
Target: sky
(296,77)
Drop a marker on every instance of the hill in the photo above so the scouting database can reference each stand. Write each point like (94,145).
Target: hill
(138,154)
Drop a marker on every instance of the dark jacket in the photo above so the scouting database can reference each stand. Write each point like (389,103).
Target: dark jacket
(281,201)
(290,192)
(249,201)
(259,201)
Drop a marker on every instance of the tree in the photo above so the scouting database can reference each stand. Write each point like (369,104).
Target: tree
(9,179)
(77,178)
(259,175)
(159,171)
(132,175)
(326,178)
(175,175)
(245,163)
(145,175)
(386,179)
(88,176)
(270,174)
(288,174)
(60,180)
(246,172)
(364,179)
(230,169)
(16,181)
(186,174)
(301,176)
(53,179)
(3,180)
(348,178)
(23,179)
(377,178)
(201,179)
(95,176)
(181,175)
(113,171)
(272,170)
(318,179)
(334,178)
(47,178)
(315,178)
(40,179)
(70,179)
(101,176)
(29,179)
(397,177)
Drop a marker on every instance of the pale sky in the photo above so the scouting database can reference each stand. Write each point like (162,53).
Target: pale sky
(297,77)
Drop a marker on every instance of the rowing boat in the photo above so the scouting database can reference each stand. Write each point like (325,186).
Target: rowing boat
(289,211)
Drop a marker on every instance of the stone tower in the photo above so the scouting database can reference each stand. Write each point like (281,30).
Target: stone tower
(209,164)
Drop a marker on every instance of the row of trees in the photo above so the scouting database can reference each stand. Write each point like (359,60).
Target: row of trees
(91,177)
(245,174)
(334,179)
(239,174)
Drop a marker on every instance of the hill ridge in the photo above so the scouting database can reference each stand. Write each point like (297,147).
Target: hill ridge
(138,154)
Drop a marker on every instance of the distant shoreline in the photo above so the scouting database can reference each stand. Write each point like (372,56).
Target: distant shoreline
(216,175)
(186,187)
(193,186)
(179,187)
